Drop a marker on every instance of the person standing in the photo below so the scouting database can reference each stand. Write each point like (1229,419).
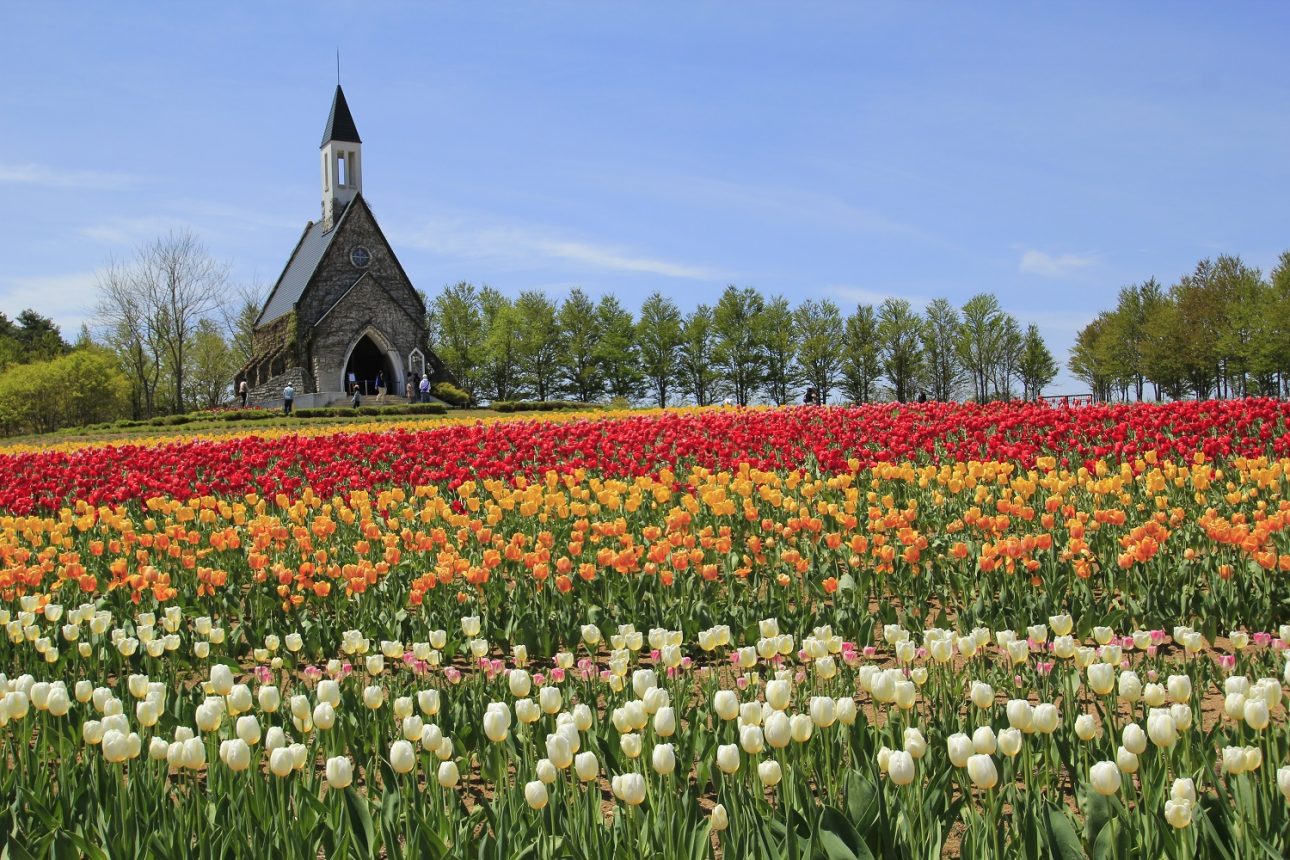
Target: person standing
(811,398)
(288,396)
(242,390)
(410,390)
(425,388)
(380,386)
(357,399)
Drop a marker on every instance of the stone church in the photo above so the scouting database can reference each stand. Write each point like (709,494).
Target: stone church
(343,310)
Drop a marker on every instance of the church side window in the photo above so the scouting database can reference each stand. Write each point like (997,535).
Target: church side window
(342,170)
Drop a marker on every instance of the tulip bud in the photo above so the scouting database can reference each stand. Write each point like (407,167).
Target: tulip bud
(777,731)
(726,704)
(282,762)
(1177,813)
(778,694)
(770,773)
(665,722)
(519,682)
(983,741)
(550,700)
(1086,727)
(373,697)
(248,729)
(1126,760)
(663,759)
(1283,781)
(1256,714)
(1020,714)
(1105,778)
(728,757)
(448,775)
(402,756)
(719,818)
(982,694)
(900,767)
(630,744)
(960,749)
(982,772)
(1161,728)
(586,766)
(1134,739)
(340,771)
(823,713)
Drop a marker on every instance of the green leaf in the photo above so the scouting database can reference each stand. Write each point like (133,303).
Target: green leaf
(862,800)
(1062,838)
(360,818)
(1097,812)
(839,838)
(1113,841)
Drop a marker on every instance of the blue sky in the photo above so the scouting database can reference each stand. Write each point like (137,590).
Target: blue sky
(1049,153)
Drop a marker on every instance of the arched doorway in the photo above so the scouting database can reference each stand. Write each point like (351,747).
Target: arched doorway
(366,361)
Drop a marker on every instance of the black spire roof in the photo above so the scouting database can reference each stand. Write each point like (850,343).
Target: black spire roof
(340,123)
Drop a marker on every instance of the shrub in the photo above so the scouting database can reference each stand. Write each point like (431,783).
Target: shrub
(451,394)
(85,386)
(542,406)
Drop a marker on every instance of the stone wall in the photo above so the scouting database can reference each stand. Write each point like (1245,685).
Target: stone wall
(270,392)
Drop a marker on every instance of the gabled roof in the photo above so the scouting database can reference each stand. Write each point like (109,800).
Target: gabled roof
(340,122)
(300,269)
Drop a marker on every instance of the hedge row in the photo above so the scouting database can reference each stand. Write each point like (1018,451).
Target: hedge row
(542,406)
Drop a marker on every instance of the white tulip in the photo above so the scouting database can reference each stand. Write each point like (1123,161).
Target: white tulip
(982,694)
(900,767)
(1105,778)
(770,773)
(725,703)
(663,759)
(960,749)
(728,758)
(339,772)
(586,766)
(982,772)
(402,756)
(281,762)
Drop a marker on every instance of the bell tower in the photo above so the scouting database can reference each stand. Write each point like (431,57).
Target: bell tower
(342,164)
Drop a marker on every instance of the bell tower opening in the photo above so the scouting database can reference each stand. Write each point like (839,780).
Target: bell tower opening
(368,363)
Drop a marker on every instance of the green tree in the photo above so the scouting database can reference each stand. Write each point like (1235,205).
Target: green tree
(860,362)
(1037,367)
(659,336)
(456,323)
(817,327)
(698,371)
(38,337)
(579,333)
(1011,342)
(779,348)
(537,343)
(1090,359)
(619,354)
(979,341)
(740,352)
(941,327)
(500,369)
(211,365)
(900,346)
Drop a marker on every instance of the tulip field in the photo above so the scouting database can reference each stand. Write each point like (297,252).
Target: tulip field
(890,631)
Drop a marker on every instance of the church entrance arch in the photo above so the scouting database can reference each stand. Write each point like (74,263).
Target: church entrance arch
(368,358)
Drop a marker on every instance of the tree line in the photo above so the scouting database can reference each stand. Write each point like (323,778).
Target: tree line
(745,347)
(1223,330)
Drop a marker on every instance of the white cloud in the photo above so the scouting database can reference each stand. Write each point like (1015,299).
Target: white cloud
(132,231)
(527,247)
(865,296)
(68,299)
(53,177)
(1053,265)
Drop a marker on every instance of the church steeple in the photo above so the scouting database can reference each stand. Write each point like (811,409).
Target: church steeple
(342,168)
